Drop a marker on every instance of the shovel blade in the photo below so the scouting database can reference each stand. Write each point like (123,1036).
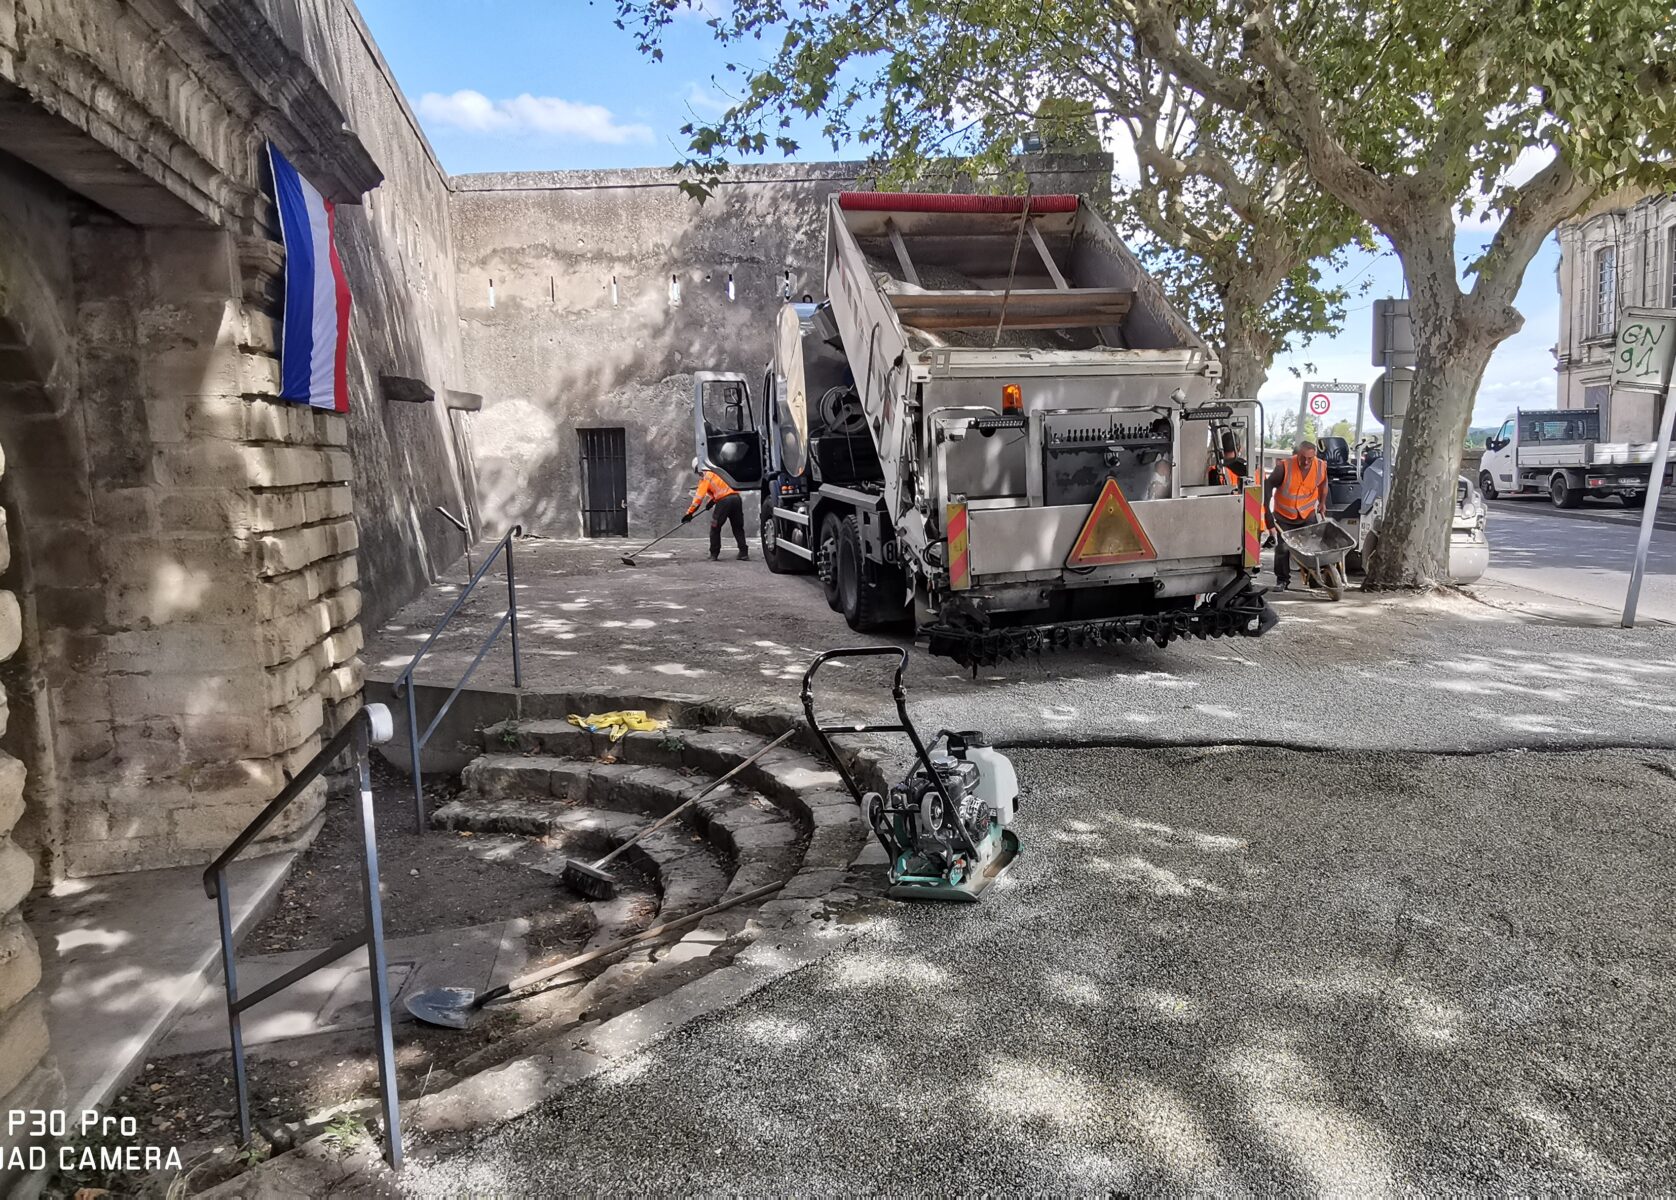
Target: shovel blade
(448,1007)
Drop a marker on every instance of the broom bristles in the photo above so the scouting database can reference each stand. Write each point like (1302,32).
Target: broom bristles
(590,881)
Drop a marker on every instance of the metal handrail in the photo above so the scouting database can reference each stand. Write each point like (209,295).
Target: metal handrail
(372,725)
(403,687)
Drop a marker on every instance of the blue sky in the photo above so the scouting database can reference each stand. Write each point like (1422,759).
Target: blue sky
(509,85)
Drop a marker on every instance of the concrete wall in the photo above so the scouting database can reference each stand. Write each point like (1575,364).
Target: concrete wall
(554,351)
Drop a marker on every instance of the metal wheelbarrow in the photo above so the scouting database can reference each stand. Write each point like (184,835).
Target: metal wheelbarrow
(1320,550)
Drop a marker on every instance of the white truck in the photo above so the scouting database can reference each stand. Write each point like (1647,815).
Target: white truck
(997,428)
(1559,451)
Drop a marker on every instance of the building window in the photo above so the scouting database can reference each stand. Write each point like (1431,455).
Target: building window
(1670,266)
(1606,291)
(1649,286)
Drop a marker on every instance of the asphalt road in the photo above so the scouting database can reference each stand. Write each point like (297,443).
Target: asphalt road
(1211,970)
(1581,554)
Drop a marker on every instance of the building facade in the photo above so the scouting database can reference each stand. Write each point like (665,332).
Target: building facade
(1619,254)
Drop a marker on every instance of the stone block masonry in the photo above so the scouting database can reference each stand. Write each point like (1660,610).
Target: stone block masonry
(196,556)
(220,636)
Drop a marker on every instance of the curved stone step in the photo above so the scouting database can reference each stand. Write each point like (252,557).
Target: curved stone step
(790,778)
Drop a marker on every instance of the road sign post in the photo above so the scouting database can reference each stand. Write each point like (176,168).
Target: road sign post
(1393,349)
(1642,359)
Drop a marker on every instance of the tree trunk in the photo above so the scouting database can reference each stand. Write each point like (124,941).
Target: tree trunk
(1246,350)
(1454,336)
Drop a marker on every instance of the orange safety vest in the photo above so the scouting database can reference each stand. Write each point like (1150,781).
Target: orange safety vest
(1300,490)
(711,486)
(1229,477)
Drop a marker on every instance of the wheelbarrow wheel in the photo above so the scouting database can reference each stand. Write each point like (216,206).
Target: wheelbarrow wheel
(1332,578)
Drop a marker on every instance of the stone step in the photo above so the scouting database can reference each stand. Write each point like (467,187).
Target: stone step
(792,779)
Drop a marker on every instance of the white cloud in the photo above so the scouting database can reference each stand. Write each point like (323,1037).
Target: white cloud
(1531,160)
(546,116)
(705,102)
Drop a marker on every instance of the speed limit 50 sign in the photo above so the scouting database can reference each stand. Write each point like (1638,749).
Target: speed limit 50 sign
(1334,400)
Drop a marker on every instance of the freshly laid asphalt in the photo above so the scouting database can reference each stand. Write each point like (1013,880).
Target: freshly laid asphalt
(1210,969)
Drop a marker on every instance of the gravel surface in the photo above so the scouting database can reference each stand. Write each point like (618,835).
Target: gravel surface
(1218,969)
(1445,672)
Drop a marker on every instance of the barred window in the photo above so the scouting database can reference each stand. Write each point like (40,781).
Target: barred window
(1606,291)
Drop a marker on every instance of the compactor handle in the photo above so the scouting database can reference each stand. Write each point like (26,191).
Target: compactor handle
(904,726)
(827,656)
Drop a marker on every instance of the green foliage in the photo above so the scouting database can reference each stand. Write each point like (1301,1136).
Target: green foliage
(1067,126)
(1222,211)
(345,1132)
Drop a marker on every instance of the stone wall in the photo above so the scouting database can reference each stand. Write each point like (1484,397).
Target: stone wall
(33,370)
(192,591)
(583,329)
(408,458)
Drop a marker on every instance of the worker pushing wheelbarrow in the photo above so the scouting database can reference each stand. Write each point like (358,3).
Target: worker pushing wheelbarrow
(1295,494)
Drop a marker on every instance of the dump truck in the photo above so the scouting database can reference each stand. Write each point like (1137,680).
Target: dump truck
(1560,452)
(997,429)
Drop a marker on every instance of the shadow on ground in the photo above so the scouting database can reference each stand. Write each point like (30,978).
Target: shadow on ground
(1221,969)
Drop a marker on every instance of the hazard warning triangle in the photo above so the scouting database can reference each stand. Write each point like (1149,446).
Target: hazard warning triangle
(1111,534)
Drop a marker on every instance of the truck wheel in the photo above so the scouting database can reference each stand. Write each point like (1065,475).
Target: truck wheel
(1487,485)
(1563,494)
(778,563)
(1633,499)
(864,606)
(826,561)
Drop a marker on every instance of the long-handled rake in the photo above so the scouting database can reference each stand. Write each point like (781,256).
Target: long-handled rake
(593,881)
(452,1007)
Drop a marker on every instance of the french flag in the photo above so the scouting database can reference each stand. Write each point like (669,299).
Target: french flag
(314,349)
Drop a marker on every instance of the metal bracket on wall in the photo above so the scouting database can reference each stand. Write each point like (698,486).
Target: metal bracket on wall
(464,532)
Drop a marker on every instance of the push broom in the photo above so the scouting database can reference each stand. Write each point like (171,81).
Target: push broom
(628,559)
(593,881)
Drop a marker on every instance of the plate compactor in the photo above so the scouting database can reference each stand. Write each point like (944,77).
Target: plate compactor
(947,826)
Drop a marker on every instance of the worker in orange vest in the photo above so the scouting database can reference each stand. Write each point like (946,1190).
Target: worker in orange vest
(1295,494)
(1230,471)
(725,505)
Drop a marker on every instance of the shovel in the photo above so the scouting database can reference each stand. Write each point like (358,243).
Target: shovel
(628,559)
(453,1007)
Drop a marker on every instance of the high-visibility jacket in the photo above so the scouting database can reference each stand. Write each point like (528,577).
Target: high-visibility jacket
(711,486)
(1299,493)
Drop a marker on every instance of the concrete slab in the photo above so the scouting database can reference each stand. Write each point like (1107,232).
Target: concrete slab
(336,997)
(123,955)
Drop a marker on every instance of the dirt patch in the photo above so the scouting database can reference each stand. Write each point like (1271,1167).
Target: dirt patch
(428,881)
(431,881)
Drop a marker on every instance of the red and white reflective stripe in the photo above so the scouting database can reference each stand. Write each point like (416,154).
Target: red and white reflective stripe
(1253,526)
(960,556)
(930,202)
